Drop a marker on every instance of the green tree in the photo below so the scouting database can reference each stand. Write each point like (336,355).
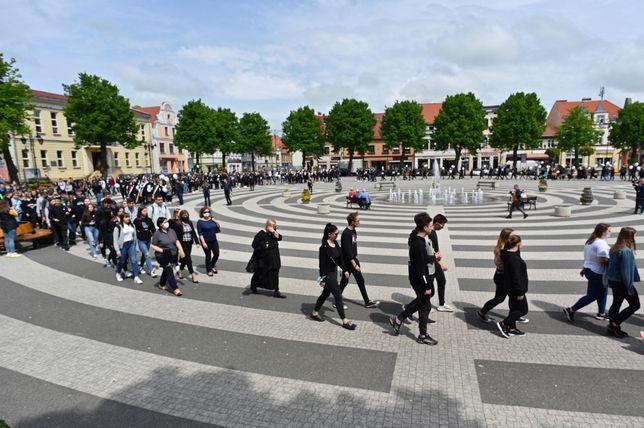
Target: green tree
(254,136)
(460,124)
(15,96)
(302,131)
(586,151)
(519,124)
(101,116)
(403,125)
(194,131)
(224,127)
(627,132)
(576,131)
(349,126)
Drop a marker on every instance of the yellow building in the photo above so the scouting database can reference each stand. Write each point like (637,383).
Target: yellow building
(50,152)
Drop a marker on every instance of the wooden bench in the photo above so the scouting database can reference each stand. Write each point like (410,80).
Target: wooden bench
(489,184)
(382,184)
(26,232)
(350,201)
(531,202)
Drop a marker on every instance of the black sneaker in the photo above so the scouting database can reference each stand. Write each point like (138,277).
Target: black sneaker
(395,325)
(372,304)
(570,314)
(525,216)
(430,321)
(515,332)
(614,330)
(426,339)
(483,317)
(503,329)
(602,316)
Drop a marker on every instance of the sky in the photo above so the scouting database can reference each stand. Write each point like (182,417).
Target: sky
(272,57)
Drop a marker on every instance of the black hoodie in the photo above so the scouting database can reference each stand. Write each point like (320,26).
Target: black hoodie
(418,261)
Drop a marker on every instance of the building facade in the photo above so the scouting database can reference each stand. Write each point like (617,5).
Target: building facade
(49,150)
(166,158)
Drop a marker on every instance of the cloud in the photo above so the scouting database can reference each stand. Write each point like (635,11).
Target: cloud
(258,86)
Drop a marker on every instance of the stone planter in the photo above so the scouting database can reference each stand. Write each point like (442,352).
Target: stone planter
(286,194)
(543,188)
(586,196)
(619,194)
(563,210)
(324,208)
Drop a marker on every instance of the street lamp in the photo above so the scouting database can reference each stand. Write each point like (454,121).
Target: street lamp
(32,144)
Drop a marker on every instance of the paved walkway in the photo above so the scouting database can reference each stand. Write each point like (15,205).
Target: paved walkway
(80,349)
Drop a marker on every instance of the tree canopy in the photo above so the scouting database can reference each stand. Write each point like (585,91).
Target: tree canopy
(519,124)
(224,128)
(460,124)
(15,96)
(627,132)
(100,115)
(403,126)
(349,125)
(194,130)
(576,131)
(254,136)
(302,131)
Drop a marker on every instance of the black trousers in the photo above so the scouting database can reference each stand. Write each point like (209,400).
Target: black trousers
(516,207)
(639,205)
(212,254)
(331,287)
(206,198)
(266,279)
(187,259)
(359,280)
(518,309)
(440,282)
(620,293)
(420,304)
(60,233)
(228,200)
(499,294)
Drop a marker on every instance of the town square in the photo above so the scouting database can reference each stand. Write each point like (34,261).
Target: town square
(229,236)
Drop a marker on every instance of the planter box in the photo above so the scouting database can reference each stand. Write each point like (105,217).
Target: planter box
(286,194)
(619,194)
(324,208)
(563,210)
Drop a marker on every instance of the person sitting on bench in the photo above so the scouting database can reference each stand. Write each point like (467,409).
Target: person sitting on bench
(364,201)
(352,194)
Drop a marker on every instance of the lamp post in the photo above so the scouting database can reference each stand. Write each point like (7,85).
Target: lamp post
(32,144)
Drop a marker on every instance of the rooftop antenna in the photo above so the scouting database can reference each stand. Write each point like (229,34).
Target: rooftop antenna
(601,93)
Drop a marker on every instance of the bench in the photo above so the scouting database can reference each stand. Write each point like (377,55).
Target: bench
(489,184)
(531,202)
(26,232)
(382,184)
(350,201)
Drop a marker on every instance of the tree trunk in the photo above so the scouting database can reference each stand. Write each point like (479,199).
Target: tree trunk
(402,158)
(11,167)
(252,161)
(634,154)
(350,162)
(198,155)
(576,156)
(103,157)
(515,150)
(223,160)
(457,157)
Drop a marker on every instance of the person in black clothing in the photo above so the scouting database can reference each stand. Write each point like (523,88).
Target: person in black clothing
(77,209)
(58,217)
(178,190)
(421,265)
(266,254)
(206,192)
(330,259)
(187,238)
(439,274)
(144,230)
(639,196)
(349,245)
(515,279)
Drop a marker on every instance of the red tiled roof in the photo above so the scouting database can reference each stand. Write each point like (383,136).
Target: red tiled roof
(429,111)
(277,142)
(561,109)
(48,95)
(152,111)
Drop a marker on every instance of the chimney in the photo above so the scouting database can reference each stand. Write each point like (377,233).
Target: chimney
(628,101)
(585,99)
(561,101)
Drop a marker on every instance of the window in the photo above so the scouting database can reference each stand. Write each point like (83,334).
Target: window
(407,150)
(116,159)
(143,132)
(74,159)
(173,131)
(371,149)
(127,159)
(25,158)
(59,158)
(385,150)
(54,122)
(43,158)
(327,150)
(171,148)
(395,150)
(70,129)
(166,130)
(137,162)
(161,147)
(551,143)
(37,122)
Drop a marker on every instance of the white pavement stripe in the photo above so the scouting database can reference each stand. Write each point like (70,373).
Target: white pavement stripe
(555,275)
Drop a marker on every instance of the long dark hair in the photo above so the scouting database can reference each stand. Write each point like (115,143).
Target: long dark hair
(503,236)
(512,241)
(626,238)
(328,230)
(599,231)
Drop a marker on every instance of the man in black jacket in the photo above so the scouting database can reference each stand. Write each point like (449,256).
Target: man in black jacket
(349,245)
(515,279)
(421,258)
(639,196)
(78,207)
(438,224)
(58,217)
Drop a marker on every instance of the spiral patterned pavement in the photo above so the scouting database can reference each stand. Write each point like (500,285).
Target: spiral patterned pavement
(80,349)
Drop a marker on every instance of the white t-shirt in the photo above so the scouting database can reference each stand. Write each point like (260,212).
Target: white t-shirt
(128,233)
(598,248)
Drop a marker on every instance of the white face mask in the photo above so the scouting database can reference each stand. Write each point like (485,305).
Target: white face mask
(606,235)
(206,215)
(165,225)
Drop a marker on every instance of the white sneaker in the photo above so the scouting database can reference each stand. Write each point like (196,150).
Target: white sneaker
(94,256)
(344,306)
(153,274)
(138,280)
(128,274)
(444,308)
(119,278)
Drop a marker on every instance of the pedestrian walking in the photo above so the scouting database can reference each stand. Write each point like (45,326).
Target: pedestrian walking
(9,225)
(518,197)
(639,196)
(188,237)
(622,273)
(89,224)
(421,269)
(330,261)
(438,223)
(125,242)
(58,216)
(207,229)
(167,247)
(144,230)
(266,255)
(349,245)
(500,292)
(596,256)
(228,188)
(205,187)
(515,279)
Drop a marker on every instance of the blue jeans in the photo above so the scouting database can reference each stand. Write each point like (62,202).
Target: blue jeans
(72,226)
(91,233)
(128,251)
(144,247)
(595,292)
(10,241)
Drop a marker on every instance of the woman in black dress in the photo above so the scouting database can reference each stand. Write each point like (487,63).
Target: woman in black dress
(330,259)
(266,253)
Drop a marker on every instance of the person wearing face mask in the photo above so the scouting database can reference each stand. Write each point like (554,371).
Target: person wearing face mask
(188,237)
(515,278)
(124,237)
(144,230)
(166,247)
(596,256)
(207,229)
(266,253)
